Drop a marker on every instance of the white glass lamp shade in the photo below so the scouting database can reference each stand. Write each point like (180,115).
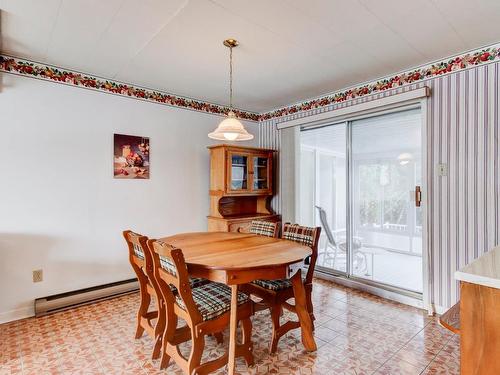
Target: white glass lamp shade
(230,129)
(405,158)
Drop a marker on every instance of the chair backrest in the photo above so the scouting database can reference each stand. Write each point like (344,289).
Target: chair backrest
(308,236)
(264,228)
(139,256)
(170,270)
(326,227)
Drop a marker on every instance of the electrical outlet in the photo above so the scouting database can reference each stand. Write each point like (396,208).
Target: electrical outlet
(37,276)
(442,170)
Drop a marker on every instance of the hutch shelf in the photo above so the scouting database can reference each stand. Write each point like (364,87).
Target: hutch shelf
(241,187)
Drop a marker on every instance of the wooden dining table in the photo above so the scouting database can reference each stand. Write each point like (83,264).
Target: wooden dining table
(239,258)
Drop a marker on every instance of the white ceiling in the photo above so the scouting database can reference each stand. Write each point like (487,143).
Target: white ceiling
(290,49)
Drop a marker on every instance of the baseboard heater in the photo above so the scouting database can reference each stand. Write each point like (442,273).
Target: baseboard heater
(65,301)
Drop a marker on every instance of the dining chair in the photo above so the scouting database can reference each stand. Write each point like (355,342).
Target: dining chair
(274,294)
(142,263)
(205,311)
(150,321)
(264,228)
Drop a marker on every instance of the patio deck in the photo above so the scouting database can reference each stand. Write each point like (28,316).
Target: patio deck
(385,266)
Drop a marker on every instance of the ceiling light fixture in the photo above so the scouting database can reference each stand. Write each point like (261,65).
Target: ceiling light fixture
(405,158)
(230,129)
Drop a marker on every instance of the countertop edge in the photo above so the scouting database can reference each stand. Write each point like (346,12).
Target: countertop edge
(476,279)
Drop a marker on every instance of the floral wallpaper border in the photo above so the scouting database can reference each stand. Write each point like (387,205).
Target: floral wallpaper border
(25,67)
(460,62)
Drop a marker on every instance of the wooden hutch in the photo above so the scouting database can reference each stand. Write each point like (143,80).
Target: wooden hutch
(241,187)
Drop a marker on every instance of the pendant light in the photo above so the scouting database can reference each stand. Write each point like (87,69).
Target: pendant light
(230,129)
(405,158)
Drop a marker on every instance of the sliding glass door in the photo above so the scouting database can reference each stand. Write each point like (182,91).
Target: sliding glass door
(386,223)
(358,181)
(323,191)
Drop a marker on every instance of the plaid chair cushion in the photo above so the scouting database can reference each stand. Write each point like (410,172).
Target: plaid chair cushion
(195,282)
(292,232)
(212,299)
(138,251)
(274,284)
(300,234)
(263,228)
(168,265)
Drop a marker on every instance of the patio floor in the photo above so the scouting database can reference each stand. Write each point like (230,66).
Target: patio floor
(388,267)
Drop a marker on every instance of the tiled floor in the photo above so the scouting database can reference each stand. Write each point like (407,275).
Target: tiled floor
(356,334)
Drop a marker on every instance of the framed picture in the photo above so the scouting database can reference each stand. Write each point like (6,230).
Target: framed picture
(131,156)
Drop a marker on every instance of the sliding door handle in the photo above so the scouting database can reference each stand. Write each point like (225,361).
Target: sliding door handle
(418,196)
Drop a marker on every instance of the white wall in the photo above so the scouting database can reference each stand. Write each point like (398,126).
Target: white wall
(61,209)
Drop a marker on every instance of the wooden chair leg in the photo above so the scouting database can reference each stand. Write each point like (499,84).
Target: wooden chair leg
(304,317)
(276,311)
(198,345)
(165,358)
(310,306)
(246,327)
(140,330)
(143,310)
(159,329)
(157,348)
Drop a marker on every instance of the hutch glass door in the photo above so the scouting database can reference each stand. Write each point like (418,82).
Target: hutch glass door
(239,172)
(260,173)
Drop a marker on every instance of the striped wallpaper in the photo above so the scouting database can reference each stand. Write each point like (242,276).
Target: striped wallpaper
(462,132)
